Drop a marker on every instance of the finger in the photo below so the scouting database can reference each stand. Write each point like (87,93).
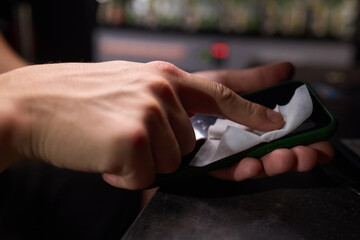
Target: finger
(246,168)
(306,158)
(325,151)
(201,96)
(278,161)
(175,115)
(299,158)
(251,79)
(164,146)
(183,130)
(139,172)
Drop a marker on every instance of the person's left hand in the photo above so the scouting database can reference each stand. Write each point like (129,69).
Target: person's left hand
(299,158)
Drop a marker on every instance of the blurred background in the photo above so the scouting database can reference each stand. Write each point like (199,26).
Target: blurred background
(321,37)
(193,34)
(233,33)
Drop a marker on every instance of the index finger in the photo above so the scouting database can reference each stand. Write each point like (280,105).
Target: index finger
(198,95)
(201,96)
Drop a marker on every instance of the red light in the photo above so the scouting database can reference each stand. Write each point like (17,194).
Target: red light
(220,50)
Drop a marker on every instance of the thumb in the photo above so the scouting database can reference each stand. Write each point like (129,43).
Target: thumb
(202,96)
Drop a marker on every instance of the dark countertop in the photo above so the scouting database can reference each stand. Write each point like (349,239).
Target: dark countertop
(321,204)
(291,206)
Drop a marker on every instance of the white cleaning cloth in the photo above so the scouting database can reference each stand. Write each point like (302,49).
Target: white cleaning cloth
(226,138)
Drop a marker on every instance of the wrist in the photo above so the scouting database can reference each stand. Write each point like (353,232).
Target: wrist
(8,135)
(14,125)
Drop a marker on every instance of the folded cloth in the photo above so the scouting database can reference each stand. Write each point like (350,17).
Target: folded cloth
(226,137)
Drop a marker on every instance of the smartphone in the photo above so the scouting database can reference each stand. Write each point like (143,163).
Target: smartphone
(321,125)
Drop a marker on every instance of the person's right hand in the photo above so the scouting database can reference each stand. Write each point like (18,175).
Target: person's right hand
(128,121)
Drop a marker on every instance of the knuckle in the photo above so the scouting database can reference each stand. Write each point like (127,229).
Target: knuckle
(165,67)
(162,88)
(122,144)
(126,155)
(251,109)
(224,94)
(137,137)
(152,112)
(284,160)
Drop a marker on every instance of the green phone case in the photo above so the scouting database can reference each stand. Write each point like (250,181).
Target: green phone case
(325,127)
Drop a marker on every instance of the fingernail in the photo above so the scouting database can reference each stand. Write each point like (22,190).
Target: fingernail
(274,117)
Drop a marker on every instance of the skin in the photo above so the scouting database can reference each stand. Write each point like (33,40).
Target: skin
(299,158)
(9,59)
(130,121)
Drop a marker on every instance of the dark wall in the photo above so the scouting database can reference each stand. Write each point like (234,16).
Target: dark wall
(63,29)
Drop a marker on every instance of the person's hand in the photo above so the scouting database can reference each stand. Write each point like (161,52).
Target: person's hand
(300,158)
(128,121)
